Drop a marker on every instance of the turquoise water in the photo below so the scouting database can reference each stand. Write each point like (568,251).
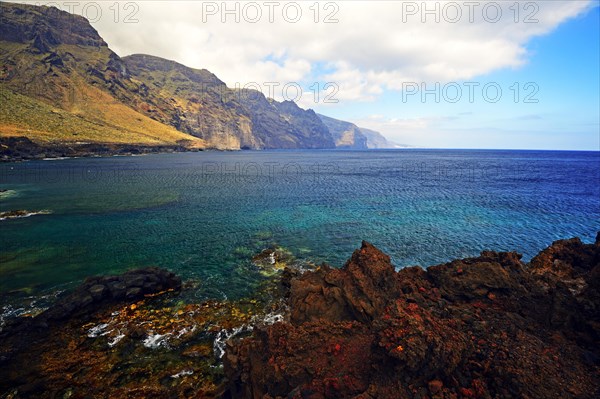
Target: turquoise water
(204,215)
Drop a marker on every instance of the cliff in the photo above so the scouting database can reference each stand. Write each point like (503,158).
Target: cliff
(346,134)
(198,103)
(60,84)
(349,136)
(378,140)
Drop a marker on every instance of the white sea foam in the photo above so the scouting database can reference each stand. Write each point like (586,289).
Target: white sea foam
(224,335)
(98,331)
(8,312)
(7,215)
(154,341)
(116,339)
(183,373)
(7,194)
(272,318)
(184,331)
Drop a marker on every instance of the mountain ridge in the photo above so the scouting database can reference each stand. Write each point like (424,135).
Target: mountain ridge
(347,135)
(59,59)
(61,84)
(376,140)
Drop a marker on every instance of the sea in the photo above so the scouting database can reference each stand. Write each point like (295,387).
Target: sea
(204,215)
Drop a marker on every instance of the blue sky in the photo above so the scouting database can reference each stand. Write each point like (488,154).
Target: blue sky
(563,67)
(375,52)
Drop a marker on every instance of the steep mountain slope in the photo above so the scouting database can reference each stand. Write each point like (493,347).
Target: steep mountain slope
(348,135)
(377,140)
(197,102)
(345,134)
(60,83)
(284,124)
(192,101)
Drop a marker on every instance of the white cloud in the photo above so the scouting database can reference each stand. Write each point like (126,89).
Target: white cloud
(375,45)
(380,123)
(414,131)
(536,131)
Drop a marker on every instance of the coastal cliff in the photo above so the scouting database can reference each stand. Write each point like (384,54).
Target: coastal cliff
(346,135)
(349,136)
(64,90)
(62,87)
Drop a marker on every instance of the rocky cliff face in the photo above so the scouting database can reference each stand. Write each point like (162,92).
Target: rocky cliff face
(192,101)
(61,84)
(349,136)
(43,50)
(346,135)
(56,66)
(46,27)
(483,327)
(285,122)
(377,140)
(198,103)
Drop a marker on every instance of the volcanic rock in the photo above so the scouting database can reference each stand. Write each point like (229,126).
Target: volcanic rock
(483,327)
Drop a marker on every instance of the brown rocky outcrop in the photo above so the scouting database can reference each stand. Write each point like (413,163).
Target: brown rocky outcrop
(483,327)
(569,273)
(358,291)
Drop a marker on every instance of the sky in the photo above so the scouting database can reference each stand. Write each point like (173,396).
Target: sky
(440,74)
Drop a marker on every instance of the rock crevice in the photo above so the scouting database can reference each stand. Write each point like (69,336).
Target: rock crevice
(483,327)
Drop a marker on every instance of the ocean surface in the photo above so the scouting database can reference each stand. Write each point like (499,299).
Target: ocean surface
(204,215)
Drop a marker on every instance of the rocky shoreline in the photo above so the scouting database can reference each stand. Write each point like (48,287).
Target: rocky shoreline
(14,149)
(484,327)
(21,213)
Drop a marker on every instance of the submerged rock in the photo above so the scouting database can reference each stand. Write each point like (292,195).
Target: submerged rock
(276,259)
(100,291)
(95,294)
(482,327)
(129,336)
(271,260)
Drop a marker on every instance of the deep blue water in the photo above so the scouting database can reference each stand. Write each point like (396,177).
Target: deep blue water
(204,215)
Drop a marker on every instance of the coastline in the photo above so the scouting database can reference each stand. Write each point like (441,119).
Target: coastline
(481,327)
(20,148)
(16,149)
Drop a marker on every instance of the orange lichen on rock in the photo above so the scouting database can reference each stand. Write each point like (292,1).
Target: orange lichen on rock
(474,328)
(499,328)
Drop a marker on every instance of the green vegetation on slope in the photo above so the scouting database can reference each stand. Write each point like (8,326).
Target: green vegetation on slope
(102,122)
(86,92)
